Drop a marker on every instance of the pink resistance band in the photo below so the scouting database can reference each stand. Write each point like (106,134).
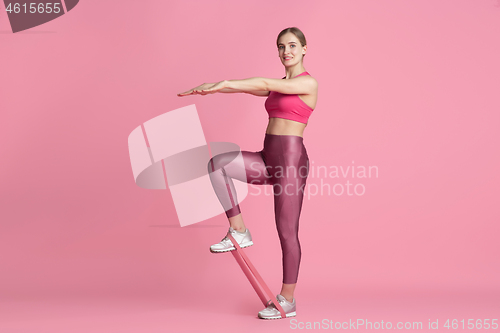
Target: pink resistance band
(249,269)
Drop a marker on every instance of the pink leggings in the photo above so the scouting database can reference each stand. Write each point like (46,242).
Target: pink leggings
(283,163)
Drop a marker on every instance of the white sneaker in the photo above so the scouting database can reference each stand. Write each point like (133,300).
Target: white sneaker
(271,312)
(244,240)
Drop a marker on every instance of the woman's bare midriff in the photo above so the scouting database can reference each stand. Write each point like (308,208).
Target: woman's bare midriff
(280,126)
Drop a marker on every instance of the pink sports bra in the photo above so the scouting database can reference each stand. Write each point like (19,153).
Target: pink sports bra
(288,106)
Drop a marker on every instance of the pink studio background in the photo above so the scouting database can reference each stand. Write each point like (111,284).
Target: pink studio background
(408,86)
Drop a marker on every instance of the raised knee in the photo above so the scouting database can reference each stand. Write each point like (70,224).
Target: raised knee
(214,164)
(211,165)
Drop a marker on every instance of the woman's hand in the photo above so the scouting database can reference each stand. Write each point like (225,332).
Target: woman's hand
(205,89)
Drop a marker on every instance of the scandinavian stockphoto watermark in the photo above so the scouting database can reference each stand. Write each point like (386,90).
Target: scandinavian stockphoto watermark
(202,186)
(24,15)
(365,324)
(312,180)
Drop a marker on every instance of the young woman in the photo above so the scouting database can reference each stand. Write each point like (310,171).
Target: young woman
(283,161)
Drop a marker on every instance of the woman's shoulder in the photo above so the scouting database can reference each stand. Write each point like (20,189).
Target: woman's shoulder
(313,80)
(309,75)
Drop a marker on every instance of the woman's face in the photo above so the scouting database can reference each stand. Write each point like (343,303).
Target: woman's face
(290,49)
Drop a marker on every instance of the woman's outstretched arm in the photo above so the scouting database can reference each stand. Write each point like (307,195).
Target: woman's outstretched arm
(297,85)
(250,84)
(255,93)
(211,88)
